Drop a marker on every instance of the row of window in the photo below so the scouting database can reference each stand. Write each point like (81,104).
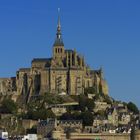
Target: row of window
(58,50)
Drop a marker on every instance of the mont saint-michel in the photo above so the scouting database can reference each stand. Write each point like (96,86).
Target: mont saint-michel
(65,73)
(62,98)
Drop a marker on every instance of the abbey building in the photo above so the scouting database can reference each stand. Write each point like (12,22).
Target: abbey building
(66,72)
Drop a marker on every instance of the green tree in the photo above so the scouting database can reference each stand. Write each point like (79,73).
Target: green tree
(132,107)
(107,99)
(132,134)
(101,113)
(82,102)
(87,118)
(66,116)
(42,114)
(90,104)
(9,106)
(89,90)
(50,114)
(55,99)
(76,115)
(86,103)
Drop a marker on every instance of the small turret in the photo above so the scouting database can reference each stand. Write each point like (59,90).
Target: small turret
(101,73)
(103,86)
(75,58)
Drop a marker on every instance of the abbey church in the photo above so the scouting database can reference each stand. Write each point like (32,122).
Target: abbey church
(66,72)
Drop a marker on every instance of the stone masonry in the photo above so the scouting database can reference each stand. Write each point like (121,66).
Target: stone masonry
(65,72)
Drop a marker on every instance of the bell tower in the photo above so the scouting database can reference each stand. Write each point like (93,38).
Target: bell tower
(58,46)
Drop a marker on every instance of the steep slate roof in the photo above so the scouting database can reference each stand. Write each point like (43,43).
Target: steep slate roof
(69,51)
(41,60)
(58,42)
(24,69)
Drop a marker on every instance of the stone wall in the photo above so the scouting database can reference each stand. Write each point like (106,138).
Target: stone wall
(85,136)
(76,82)
(137,135)
(68,74)
(58,80)
(7,85)
(28,124)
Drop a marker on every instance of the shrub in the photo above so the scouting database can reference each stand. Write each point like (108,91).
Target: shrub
(132,107)
(8,106)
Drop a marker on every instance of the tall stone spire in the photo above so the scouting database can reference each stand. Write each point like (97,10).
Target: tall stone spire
(58,40)
(58,26)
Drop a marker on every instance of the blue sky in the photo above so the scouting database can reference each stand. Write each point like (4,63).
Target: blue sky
(107,32)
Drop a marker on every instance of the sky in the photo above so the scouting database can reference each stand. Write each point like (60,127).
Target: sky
(106,32)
